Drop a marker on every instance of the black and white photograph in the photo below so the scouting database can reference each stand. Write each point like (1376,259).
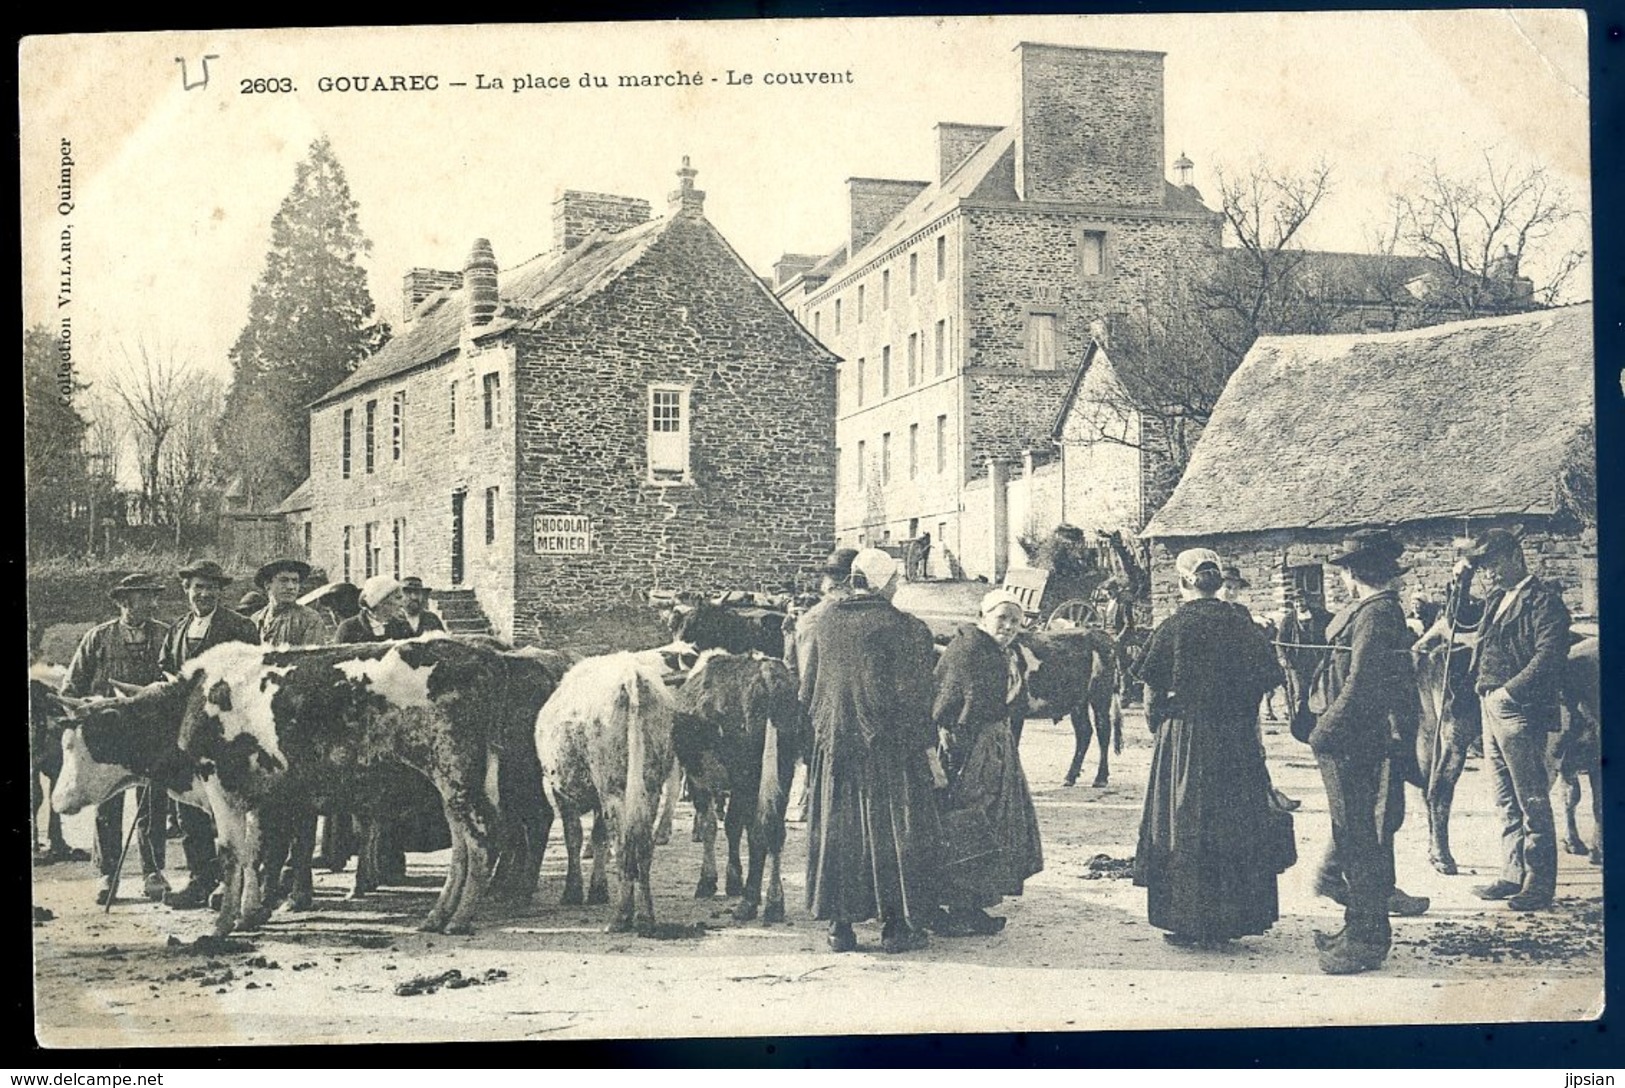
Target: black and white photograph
(811,527)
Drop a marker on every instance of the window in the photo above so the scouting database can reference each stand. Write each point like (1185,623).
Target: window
(942,445)
(371,440)
(369,554)
(913,450)
(1092,252)
(860,304)
(837,317)
(344,453)
(942,346)
(863,468)
(885,289)
(942,255)
(817,317)
(668,434)
(913,358)
(451,401)
(860,382)
(397,534)
(885,371)
(397,409)
(913,272)
(1041,341)
(490,515)
(349,544)
(492,386)
(885,459)
(306,529)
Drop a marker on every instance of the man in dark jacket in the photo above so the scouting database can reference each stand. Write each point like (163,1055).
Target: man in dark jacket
(208,624)
(1518,665)
(415,607)
(1370,717)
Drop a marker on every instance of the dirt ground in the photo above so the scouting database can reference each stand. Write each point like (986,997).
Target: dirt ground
(1077,953)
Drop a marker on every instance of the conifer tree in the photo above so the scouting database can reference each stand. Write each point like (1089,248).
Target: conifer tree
(310,322)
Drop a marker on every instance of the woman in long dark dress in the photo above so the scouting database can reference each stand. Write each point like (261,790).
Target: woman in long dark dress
(980,691)
(1201,855)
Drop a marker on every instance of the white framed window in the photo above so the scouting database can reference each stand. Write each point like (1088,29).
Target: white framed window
(1041,348)
(491,385)
(397,413)
(669,434)
(372,434)
(344,452)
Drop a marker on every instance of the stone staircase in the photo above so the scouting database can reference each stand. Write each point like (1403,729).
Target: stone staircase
(461,611)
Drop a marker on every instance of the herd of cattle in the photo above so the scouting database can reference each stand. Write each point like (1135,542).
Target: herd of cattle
(511,740)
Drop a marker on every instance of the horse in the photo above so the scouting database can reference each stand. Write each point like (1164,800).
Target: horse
(1450,724)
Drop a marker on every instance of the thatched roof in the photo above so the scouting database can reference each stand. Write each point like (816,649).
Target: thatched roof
(1469,419)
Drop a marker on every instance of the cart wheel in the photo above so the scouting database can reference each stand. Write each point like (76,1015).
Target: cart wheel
(1075,613)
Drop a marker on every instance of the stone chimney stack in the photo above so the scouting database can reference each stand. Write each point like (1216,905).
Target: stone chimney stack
(480,283)
(686,200)
(419,283)
(577,214)
(874,202)
(956,143)
(1091,126)
(791,265)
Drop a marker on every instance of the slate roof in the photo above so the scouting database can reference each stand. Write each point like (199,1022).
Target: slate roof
(301,498)
(530,293)
(1469,419)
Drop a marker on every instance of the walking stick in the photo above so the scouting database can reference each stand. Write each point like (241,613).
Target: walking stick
(118,873)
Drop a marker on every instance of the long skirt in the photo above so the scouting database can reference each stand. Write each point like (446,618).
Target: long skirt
(992,780)
(1200,855)
(872,835)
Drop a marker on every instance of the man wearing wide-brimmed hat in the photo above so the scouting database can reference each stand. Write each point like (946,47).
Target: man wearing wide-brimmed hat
(286,622)
(124,650)
(1518,665)
(1362,743)
(415,607)
(208,623)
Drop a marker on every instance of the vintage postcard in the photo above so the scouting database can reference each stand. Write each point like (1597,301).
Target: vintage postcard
(1100,512)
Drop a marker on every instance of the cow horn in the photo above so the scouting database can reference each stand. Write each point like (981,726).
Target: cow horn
(126,690)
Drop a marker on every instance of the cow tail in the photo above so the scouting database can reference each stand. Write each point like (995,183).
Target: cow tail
(770,789)
(1117,724)
(636,816)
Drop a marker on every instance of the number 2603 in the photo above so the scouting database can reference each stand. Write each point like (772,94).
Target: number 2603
(273,85)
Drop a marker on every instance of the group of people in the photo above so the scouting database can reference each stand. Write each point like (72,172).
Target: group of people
(919,812)
(137,649)
(1213,839)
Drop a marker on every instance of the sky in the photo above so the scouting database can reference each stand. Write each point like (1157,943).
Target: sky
(174,189)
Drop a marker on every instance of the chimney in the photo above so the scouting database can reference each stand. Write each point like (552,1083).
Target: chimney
(480,281)
(419,283)
(956,143)
(1184,170)
(874,203)
(1091,126)
(685,200)
(577,214)
(791,265)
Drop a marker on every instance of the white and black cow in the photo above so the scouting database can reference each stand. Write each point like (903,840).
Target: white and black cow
(264,732)
(739,630)
(604,741)
(739,730)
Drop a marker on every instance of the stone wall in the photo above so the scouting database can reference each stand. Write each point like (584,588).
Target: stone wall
(577,214)
(759,507)
(1091,126)
(416,489)
(1554,551)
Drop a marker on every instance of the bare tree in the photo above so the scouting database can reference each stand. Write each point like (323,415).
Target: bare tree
(1480,228)
(150,386)
(189,456)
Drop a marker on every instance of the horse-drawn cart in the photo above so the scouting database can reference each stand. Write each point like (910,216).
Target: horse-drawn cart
(1055,600)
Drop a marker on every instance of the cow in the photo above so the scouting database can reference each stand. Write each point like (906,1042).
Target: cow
(604,742)
(1577,748)
(708,626)
(1073,673)
(261,732)
(738,732)
(47,718)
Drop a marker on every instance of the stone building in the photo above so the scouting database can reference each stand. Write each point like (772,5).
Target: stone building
(961,306)
(633,410)
(1440,433)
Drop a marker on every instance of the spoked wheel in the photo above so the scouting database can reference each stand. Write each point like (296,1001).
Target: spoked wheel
(1071,614)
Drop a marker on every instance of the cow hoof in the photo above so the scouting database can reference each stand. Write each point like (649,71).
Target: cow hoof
(223,927)
(1576,847)
(1098,783)
(1069,782)
(1447,866)
(597,896)
(735,887)
(1596,856)
(706,888)
(745,911)
(254,919)
(772,914)
(460,929)
(619,925)
(662,838)
(572,897)
(432,924)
